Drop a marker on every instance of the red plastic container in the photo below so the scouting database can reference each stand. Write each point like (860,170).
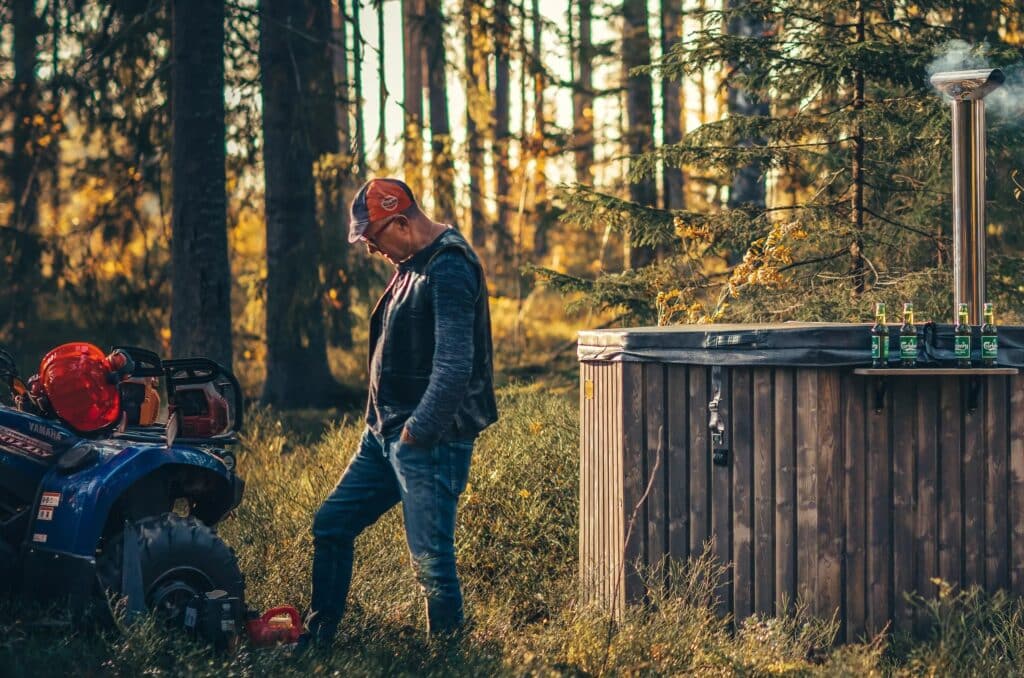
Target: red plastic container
(272,628)
(76,380)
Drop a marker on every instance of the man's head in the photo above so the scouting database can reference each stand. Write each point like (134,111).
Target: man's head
(386,217)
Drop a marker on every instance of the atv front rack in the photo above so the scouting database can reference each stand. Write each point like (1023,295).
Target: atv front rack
(204,399)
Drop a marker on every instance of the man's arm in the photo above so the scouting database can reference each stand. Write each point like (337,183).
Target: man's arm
(454,285)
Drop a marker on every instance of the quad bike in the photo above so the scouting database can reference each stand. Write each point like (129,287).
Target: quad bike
(104,490)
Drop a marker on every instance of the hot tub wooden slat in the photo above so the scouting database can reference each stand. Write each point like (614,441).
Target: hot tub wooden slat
(721,506)
(1016,504)
(854,497)
(807,402)
(904,446)
(678,470)
(743,493)
(785,489)
(634,476)
(926,516)
(951,475)
(655,465)
(700,460)
(764,472)
(997,539)
(974,497)
(830,497)
(879,533)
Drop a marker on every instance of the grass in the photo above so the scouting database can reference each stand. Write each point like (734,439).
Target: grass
(518,560)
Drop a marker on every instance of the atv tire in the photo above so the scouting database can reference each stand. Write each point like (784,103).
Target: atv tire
(179,558)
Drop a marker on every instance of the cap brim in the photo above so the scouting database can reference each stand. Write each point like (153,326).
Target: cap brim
(356,230)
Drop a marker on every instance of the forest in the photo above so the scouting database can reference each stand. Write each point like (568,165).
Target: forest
(177,175)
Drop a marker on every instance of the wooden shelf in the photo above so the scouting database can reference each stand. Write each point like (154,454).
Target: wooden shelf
(936,371)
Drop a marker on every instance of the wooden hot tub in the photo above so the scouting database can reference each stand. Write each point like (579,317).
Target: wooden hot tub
(823,480)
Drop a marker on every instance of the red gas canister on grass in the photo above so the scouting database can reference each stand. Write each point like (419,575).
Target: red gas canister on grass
(277,625)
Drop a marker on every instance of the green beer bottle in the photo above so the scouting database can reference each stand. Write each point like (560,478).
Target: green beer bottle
(908,338)
(989,338)
(962,338)
(879,338)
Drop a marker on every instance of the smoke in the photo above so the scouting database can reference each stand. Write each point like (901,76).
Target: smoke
(957,55)
(1007,102)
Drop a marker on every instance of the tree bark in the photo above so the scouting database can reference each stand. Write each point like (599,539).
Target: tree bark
(330,134)
(583,100)
(20,244)
(475,94)
(857,211)
(636,51)
(672,184)
(748,185)
(297,370)
(382,92)
(412,26)
(541,222)
(339,26)
(24,163)
(359,143)
(502,100)
(442,166)
(201,273)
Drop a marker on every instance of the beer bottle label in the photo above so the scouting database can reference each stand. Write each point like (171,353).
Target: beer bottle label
(876,347)
(962,347)
(908,346)
(989,346)
(885,347)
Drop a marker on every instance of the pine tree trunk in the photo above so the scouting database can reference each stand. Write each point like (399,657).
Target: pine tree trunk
(502,101)
(748,185)
(21,244)
(442,167)
(297,370)
(583,100)
(382,93)
(24,163)
(474,97)
(636,51)
(541,224)
(359,143)
(857,211)
(671,98)
(339,26)
(412,28)
(201,274)
(327,111)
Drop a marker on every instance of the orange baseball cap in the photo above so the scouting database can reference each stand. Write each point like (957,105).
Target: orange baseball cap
(378,198)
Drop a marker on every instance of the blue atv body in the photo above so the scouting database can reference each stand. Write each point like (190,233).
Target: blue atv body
(69,502)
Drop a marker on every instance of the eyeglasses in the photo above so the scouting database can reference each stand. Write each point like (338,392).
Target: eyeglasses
(372,239)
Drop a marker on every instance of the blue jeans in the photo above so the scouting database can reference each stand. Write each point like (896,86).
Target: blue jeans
(428,482)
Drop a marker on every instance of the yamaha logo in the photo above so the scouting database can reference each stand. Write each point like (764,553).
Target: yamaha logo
(46,431)
(389,202)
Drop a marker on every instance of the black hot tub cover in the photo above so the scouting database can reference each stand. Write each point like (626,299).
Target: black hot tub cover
(799,344)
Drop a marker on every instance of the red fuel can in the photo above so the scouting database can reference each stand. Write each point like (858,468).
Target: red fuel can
(277,625)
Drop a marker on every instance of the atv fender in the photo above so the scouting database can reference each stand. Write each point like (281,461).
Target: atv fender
(73,511)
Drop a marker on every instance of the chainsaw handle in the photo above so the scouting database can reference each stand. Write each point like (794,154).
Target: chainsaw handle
(284,609)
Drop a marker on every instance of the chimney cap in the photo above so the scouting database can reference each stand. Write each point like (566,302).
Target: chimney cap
(968,85)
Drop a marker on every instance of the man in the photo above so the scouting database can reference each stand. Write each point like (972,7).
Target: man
(431,392)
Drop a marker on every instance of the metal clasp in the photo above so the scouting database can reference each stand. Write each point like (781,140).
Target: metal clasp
(716,420)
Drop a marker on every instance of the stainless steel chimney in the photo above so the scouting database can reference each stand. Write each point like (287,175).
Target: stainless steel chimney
(967,91)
